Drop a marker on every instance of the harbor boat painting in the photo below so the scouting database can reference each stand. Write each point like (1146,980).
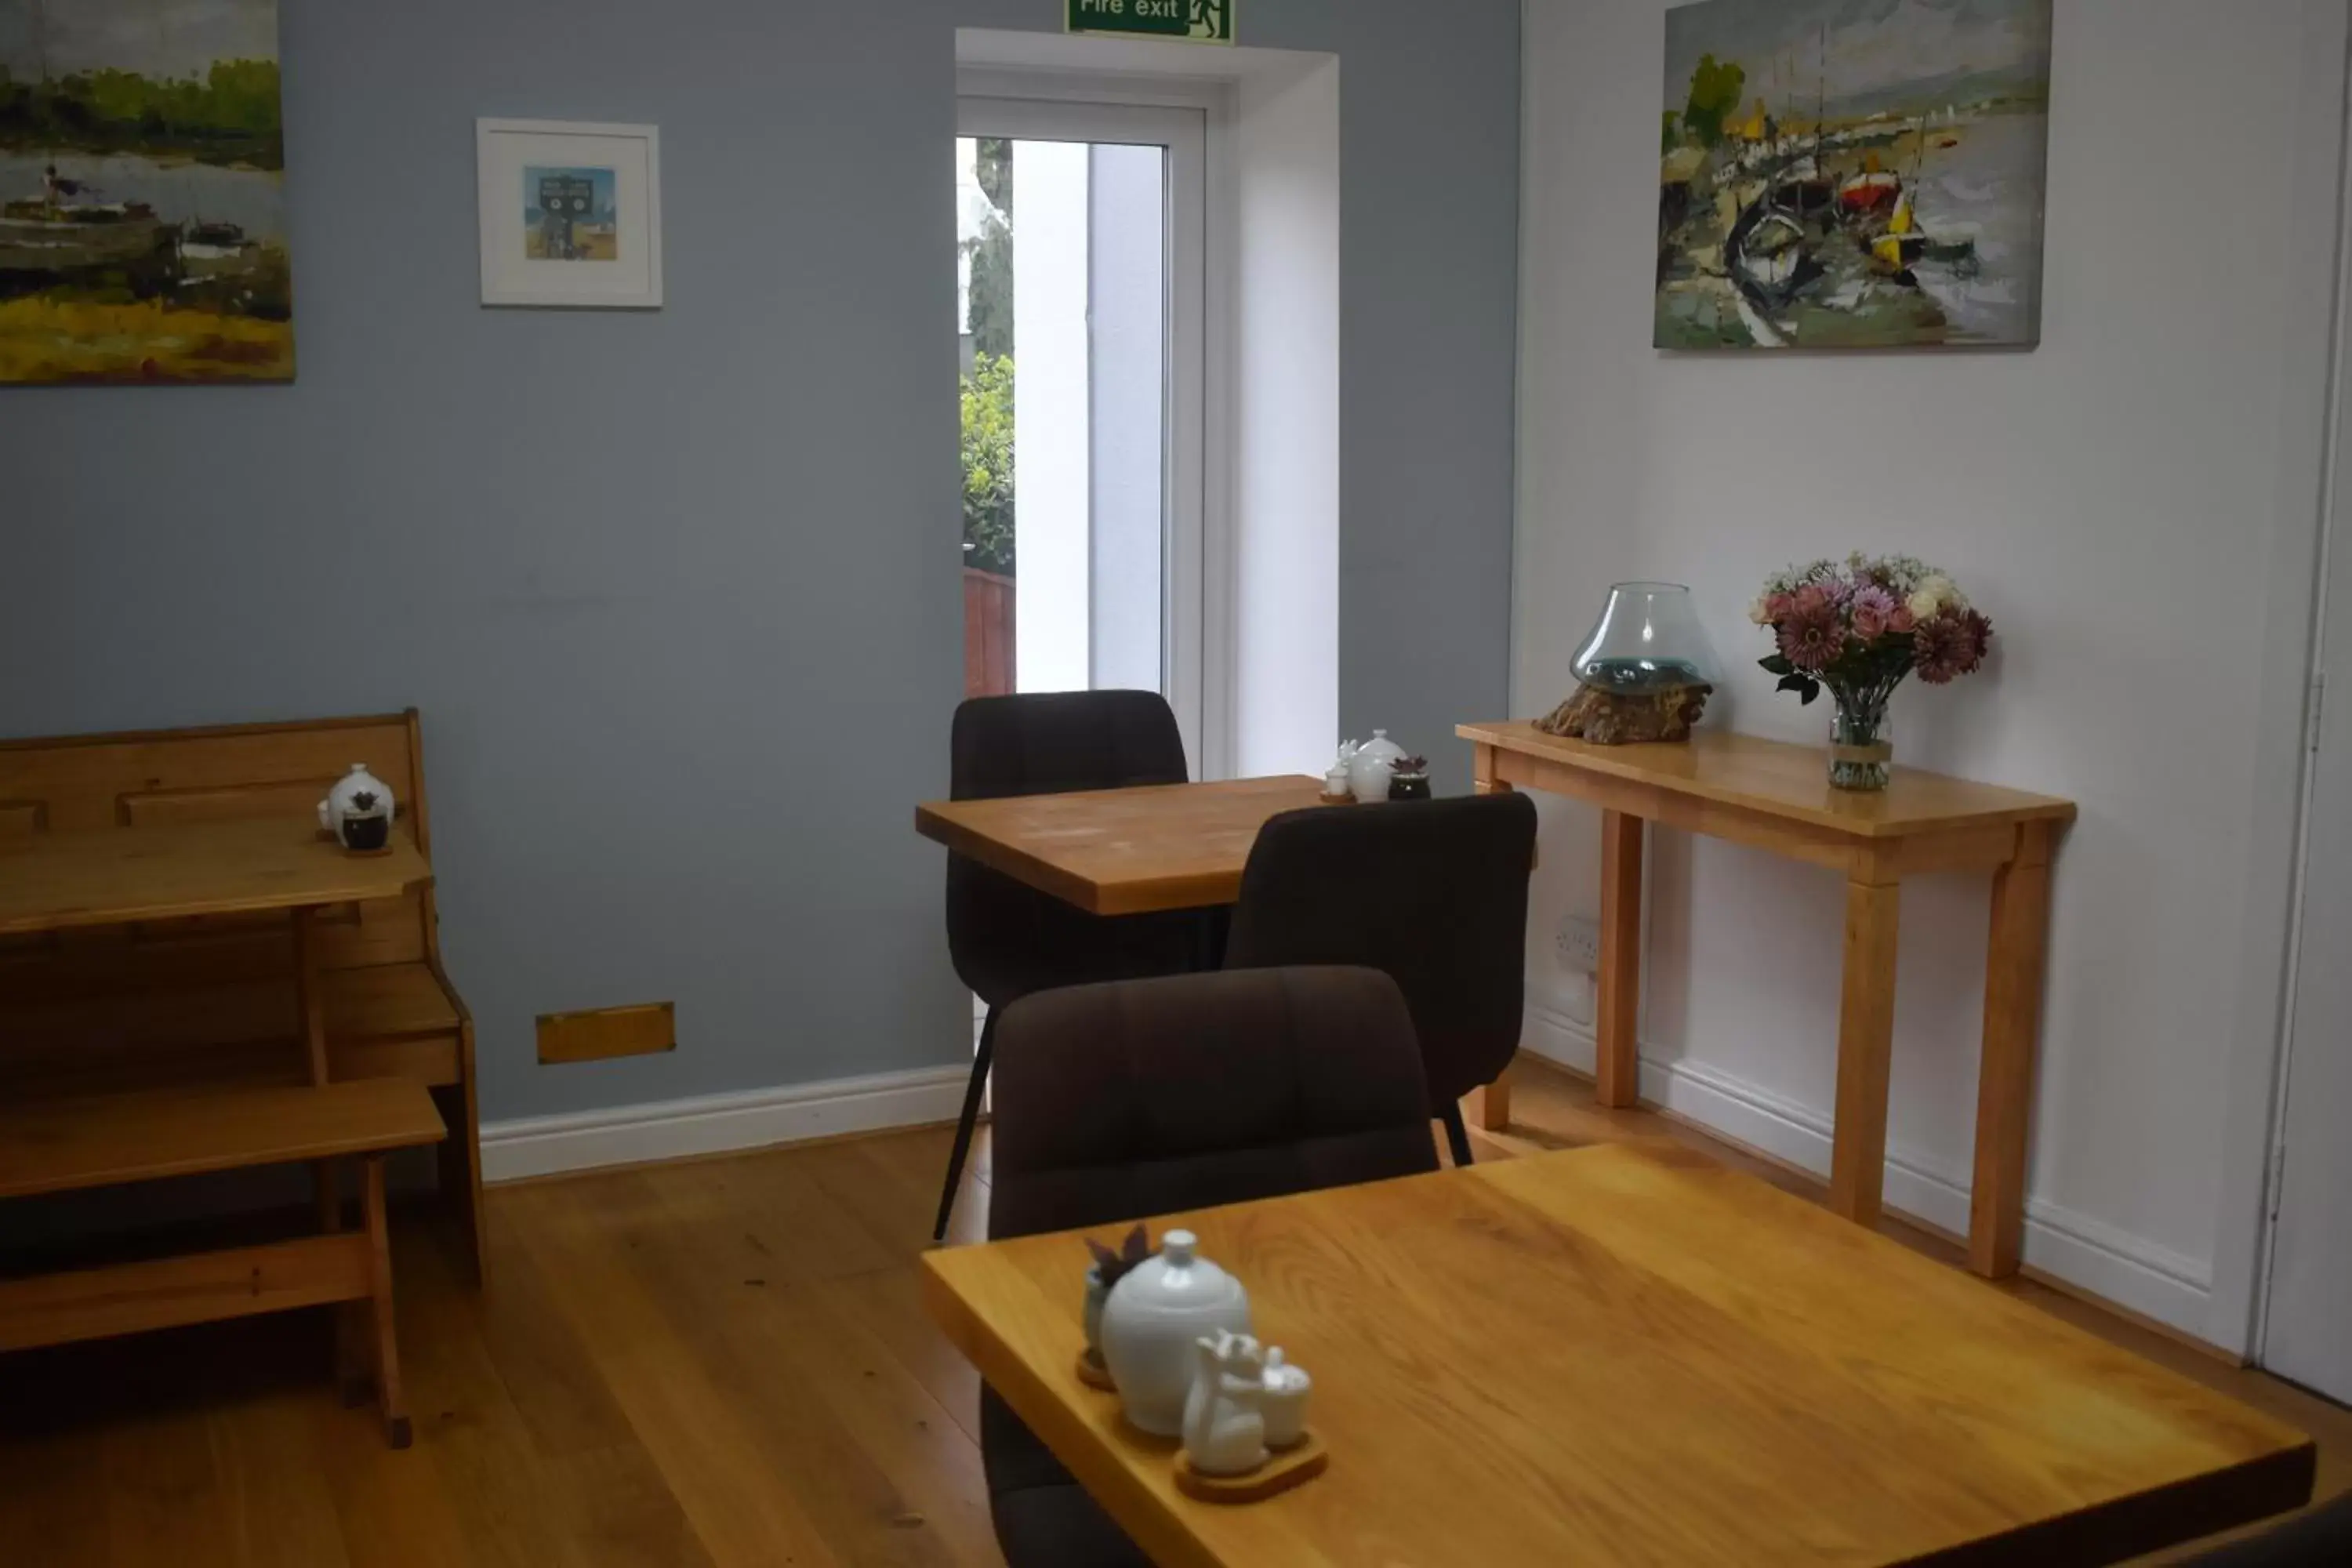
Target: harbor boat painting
(1852,173)
(143,234)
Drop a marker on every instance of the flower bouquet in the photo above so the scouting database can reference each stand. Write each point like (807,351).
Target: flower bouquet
(1858,627)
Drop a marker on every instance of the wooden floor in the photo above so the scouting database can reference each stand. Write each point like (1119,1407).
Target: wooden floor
(721,1363)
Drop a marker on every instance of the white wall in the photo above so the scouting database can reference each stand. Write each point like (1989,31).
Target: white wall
(1286,456)
(1050,413)
(2127,502)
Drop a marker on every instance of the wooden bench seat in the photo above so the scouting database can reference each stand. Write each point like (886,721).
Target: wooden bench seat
(59,1146)
(389,1002)
(68,1145)
(393,1020)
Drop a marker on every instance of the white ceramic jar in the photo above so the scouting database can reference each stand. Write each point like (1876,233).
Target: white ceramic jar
(1369,769)
(1153,1325)
(359,811)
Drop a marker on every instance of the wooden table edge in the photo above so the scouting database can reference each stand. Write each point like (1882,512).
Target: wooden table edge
(999,856)
(1151,1520)
(2181,1514)
(1140,896)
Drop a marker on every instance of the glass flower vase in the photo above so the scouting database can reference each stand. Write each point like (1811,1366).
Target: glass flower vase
(1861,749)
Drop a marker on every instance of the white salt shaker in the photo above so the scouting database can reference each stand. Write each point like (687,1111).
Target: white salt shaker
(1284,1402)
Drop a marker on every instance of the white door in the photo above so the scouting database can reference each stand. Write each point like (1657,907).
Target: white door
(2307,1333)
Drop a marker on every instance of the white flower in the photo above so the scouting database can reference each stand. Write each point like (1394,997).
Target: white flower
(1932,595)
(1758,612)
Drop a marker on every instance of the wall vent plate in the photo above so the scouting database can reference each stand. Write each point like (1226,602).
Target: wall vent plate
(607,1034)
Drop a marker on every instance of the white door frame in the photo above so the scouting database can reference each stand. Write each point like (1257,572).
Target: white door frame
(2262,920)
(2303,600)
(2332,600)
(1187,119)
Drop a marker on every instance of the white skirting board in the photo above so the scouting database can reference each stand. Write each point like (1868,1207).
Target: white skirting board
(720,1123)
(2124,1270)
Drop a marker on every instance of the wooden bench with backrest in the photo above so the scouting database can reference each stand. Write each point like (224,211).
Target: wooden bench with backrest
(211,1002)
(70,1145)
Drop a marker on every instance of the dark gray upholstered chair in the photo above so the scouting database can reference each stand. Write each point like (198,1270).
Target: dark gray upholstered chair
(1119,1102)
(1008,940)
(1431,893)
(2322,1536)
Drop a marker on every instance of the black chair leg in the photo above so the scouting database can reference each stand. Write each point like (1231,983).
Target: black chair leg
(1456,1134)
(971,1096)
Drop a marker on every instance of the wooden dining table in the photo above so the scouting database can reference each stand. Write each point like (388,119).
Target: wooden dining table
(1136,851)
(1630,1354)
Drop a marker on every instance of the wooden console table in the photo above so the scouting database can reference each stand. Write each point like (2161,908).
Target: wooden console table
(1777,797)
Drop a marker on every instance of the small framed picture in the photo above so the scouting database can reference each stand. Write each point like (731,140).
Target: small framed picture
(571,214)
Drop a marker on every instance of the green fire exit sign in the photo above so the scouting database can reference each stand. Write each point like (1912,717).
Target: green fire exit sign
(1200,21)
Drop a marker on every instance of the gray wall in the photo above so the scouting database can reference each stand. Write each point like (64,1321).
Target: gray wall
(677,592)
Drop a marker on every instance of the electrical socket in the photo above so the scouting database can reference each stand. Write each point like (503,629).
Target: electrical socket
(1577,942)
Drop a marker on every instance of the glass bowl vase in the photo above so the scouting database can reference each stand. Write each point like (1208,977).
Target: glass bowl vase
(1648,640)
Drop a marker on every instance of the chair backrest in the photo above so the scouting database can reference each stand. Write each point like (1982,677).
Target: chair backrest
(1055,743)
(1431,893)
(1041,743)
(1116,1102)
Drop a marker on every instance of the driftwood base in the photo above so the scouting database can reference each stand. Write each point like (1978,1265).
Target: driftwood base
(1609,718)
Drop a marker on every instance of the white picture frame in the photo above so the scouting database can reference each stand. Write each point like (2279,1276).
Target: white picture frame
(603,251)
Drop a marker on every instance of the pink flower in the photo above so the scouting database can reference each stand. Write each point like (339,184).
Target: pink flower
(1811,638)
(1779,607)
(1980,626)
(1902,622)
(1951,646)
(1873,612)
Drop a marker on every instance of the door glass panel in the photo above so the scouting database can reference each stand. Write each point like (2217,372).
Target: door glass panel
(1063,313)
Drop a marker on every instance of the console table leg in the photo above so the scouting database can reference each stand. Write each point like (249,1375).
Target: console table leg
(1616,1034)
(1488,1109)
(2012,1015)
(1865,1048)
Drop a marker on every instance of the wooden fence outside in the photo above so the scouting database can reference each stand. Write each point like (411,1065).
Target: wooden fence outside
(988,621)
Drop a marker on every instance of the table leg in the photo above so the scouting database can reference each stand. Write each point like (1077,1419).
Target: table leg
(307,989)
(2012,1015)
(1865,1048)
(385,1345)
(312,1010)
(1488,1109)
(1482,772)
(1617,1043)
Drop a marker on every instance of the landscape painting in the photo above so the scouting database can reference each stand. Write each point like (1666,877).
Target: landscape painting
(1852,173)
(143,230)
